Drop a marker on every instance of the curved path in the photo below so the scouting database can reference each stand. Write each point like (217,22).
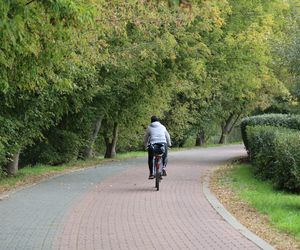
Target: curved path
(115,207)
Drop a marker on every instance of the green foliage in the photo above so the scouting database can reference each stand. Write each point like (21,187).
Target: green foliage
(239,76)
(261,150)
(286,49)
(192,105)
(278,120)
(2,154)
(274,153)
(59,146)
(37,65)
(9,130)
(64,64)
(287,161)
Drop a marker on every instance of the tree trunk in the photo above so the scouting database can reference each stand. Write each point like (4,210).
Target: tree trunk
(111,145)
(227,128)
(223,136)
(88,151)
(13,166)
(200,140)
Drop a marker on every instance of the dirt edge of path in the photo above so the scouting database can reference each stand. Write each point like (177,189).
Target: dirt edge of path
(247,215)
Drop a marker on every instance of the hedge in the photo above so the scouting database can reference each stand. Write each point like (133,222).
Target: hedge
(287,161)
(275,155)
(277,120)
(261,150)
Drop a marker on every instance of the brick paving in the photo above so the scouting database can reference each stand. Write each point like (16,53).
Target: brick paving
(116,207)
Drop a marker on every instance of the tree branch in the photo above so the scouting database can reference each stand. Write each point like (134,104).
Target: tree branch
(234,122)
(29,2)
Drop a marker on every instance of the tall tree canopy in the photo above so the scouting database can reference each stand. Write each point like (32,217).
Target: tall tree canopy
(71,70)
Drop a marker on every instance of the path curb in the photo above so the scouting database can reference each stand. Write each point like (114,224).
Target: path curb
(230,218)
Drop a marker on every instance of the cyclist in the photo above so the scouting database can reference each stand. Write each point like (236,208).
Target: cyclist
(157,133)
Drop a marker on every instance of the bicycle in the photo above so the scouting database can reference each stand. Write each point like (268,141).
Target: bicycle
(158,150)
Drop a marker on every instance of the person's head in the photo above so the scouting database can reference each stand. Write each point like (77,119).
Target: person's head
(154,118)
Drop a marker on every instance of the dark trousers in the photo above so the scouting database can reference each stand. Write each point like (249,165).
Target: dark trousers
(151,158)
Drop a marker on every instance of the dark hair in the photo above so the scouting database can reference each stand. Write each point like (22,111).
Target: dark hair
(154,119)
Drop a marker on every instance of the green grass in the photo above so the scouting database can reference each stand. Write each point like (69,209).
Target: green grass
(283,209)
(31,174)
(131,155)
(27,172)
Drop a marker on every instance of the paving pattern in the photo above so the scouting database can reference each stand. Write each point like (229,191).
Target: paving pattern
(116,207)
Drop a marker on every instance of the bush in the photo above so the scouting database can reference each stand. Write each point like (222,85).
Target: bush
(277,120)
(261,150)
(287,161)
(60,146)
(275,155)
(2,154)
(9,140)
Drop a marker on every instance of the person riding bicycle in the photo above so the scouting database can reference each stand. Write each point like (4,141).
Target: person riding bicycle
(156,133)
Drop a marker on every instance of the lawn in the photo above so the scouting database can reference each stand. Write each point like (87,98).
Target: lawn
(282,209)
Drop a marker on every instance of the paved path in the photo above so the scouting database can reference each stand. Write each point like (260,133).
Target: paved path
(116,207)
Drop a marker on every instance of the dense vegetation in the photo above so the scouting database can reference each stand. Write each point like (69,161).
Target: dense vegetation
(276,120)
(81,77)
(273,143)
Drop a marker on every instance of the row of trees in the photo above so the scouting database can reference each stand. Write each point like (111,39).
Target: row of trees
(72,70)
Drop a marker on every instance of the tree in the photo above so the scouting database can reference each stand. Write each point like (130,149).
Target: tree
(193,105)
(285,51)
(136,75)
(35,74)
(241,62)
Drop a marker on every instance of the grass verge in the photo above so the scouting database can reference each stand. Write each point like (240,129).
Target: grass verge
(33,174)
(273,215)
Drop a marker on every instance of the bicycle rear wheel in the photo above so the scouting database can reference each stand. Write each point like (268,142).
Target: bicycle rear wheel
(157,180)
(157,166)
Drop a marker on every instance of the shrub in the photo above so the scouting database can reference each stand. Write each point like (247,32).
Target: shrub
(9,140)
(2,153)
(275,155)
(287,161)
(277,120)
(261,150)
(60,146)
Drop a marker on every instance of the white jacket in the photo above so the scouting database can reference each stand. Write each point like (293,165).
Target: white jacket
(157,133)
